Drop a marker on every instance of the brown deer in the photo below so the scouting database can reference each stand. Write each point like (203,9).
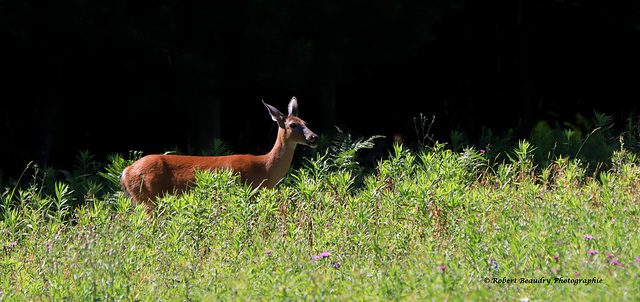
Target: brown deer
(156,175)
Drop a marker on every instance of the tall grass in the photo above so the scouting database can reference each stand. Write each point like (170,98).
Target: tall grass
(426,224)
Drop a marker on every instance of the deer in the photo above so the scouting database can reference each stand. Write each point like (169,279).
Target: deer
(154,176)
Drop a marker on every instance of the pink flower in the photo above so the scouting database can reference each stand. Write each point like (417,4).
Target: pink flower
(313,261)
(609,255)
(591,252)
(615,262)
(325,254)
(315,257)
(588,237)
(268,253)
(337,265)
(11,245)
(576,274)
(638,259)
(555,258)
(443,268)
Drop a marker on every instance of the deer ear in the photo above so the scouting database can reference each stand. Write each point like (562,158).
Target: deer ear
(276,115)
(293,107)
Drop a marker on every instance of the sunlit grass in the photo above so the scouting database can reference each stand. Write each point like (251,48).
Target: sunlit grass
(428,224)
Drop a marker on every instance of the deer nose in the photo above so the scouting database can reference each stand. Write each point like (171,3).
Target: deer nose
(312,140)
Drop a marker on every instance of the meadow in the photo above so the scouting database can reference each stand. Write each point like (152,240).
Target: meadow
(512,221)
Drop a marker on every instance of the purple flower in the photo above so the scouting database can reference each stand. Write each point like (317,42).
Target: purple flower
(576,274)
(588,237)
(337,265)
(313,261)
(325,254)
(268,253)
(443,268)
(638,259)
(581,227)
(315,257)
(609,255)
(482,151)
(555,258)
(593,225)
(13,243)
(591,252)
(615,262)
(555,270)
(494,263)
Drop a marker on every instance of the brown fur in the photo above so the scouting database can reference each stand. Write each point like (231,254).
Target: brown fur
(154,176)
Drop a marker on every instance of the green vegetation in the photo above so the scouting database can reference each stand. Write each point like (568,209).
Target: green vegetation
(426,224)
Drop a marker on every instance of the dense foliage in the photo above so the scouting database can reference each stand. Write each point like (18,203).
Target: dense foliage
(429,223)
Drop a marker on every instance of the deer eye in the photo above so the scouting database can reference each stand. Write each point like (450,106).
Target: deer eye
(293,125)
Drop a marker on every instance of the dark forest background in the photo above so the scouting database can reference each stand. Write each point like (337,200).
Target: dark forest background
(117,75)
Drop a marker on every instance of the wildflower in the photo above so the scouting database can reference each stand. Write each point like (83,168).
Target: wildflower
(609,255)
(588,237)
(482,151)
(315,257)
(13,244)
(268,253)
(581,227)
(615,262)
(576,274)
(555,258)
(591,252)
(313,261)
(325,254)
(593,224)
(555,270)
(337,265)
(443,268)
(638,259)
(494,263)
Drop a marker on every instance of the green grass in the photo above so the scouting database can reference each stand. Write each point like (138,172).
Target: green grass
(430,224)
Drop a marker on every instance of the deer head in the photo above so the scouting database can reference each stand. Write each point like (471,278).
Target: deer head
(295,129)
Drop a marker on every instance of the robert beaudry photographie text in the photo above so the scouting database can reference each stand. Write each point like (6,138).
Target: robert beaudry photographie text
(543,280)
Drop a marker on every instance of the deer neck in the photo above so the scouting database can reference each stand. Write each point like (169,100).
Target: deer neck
(279,158)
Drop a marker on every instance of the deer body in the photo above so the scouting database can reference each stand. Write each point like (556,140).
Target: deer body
(156,175)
